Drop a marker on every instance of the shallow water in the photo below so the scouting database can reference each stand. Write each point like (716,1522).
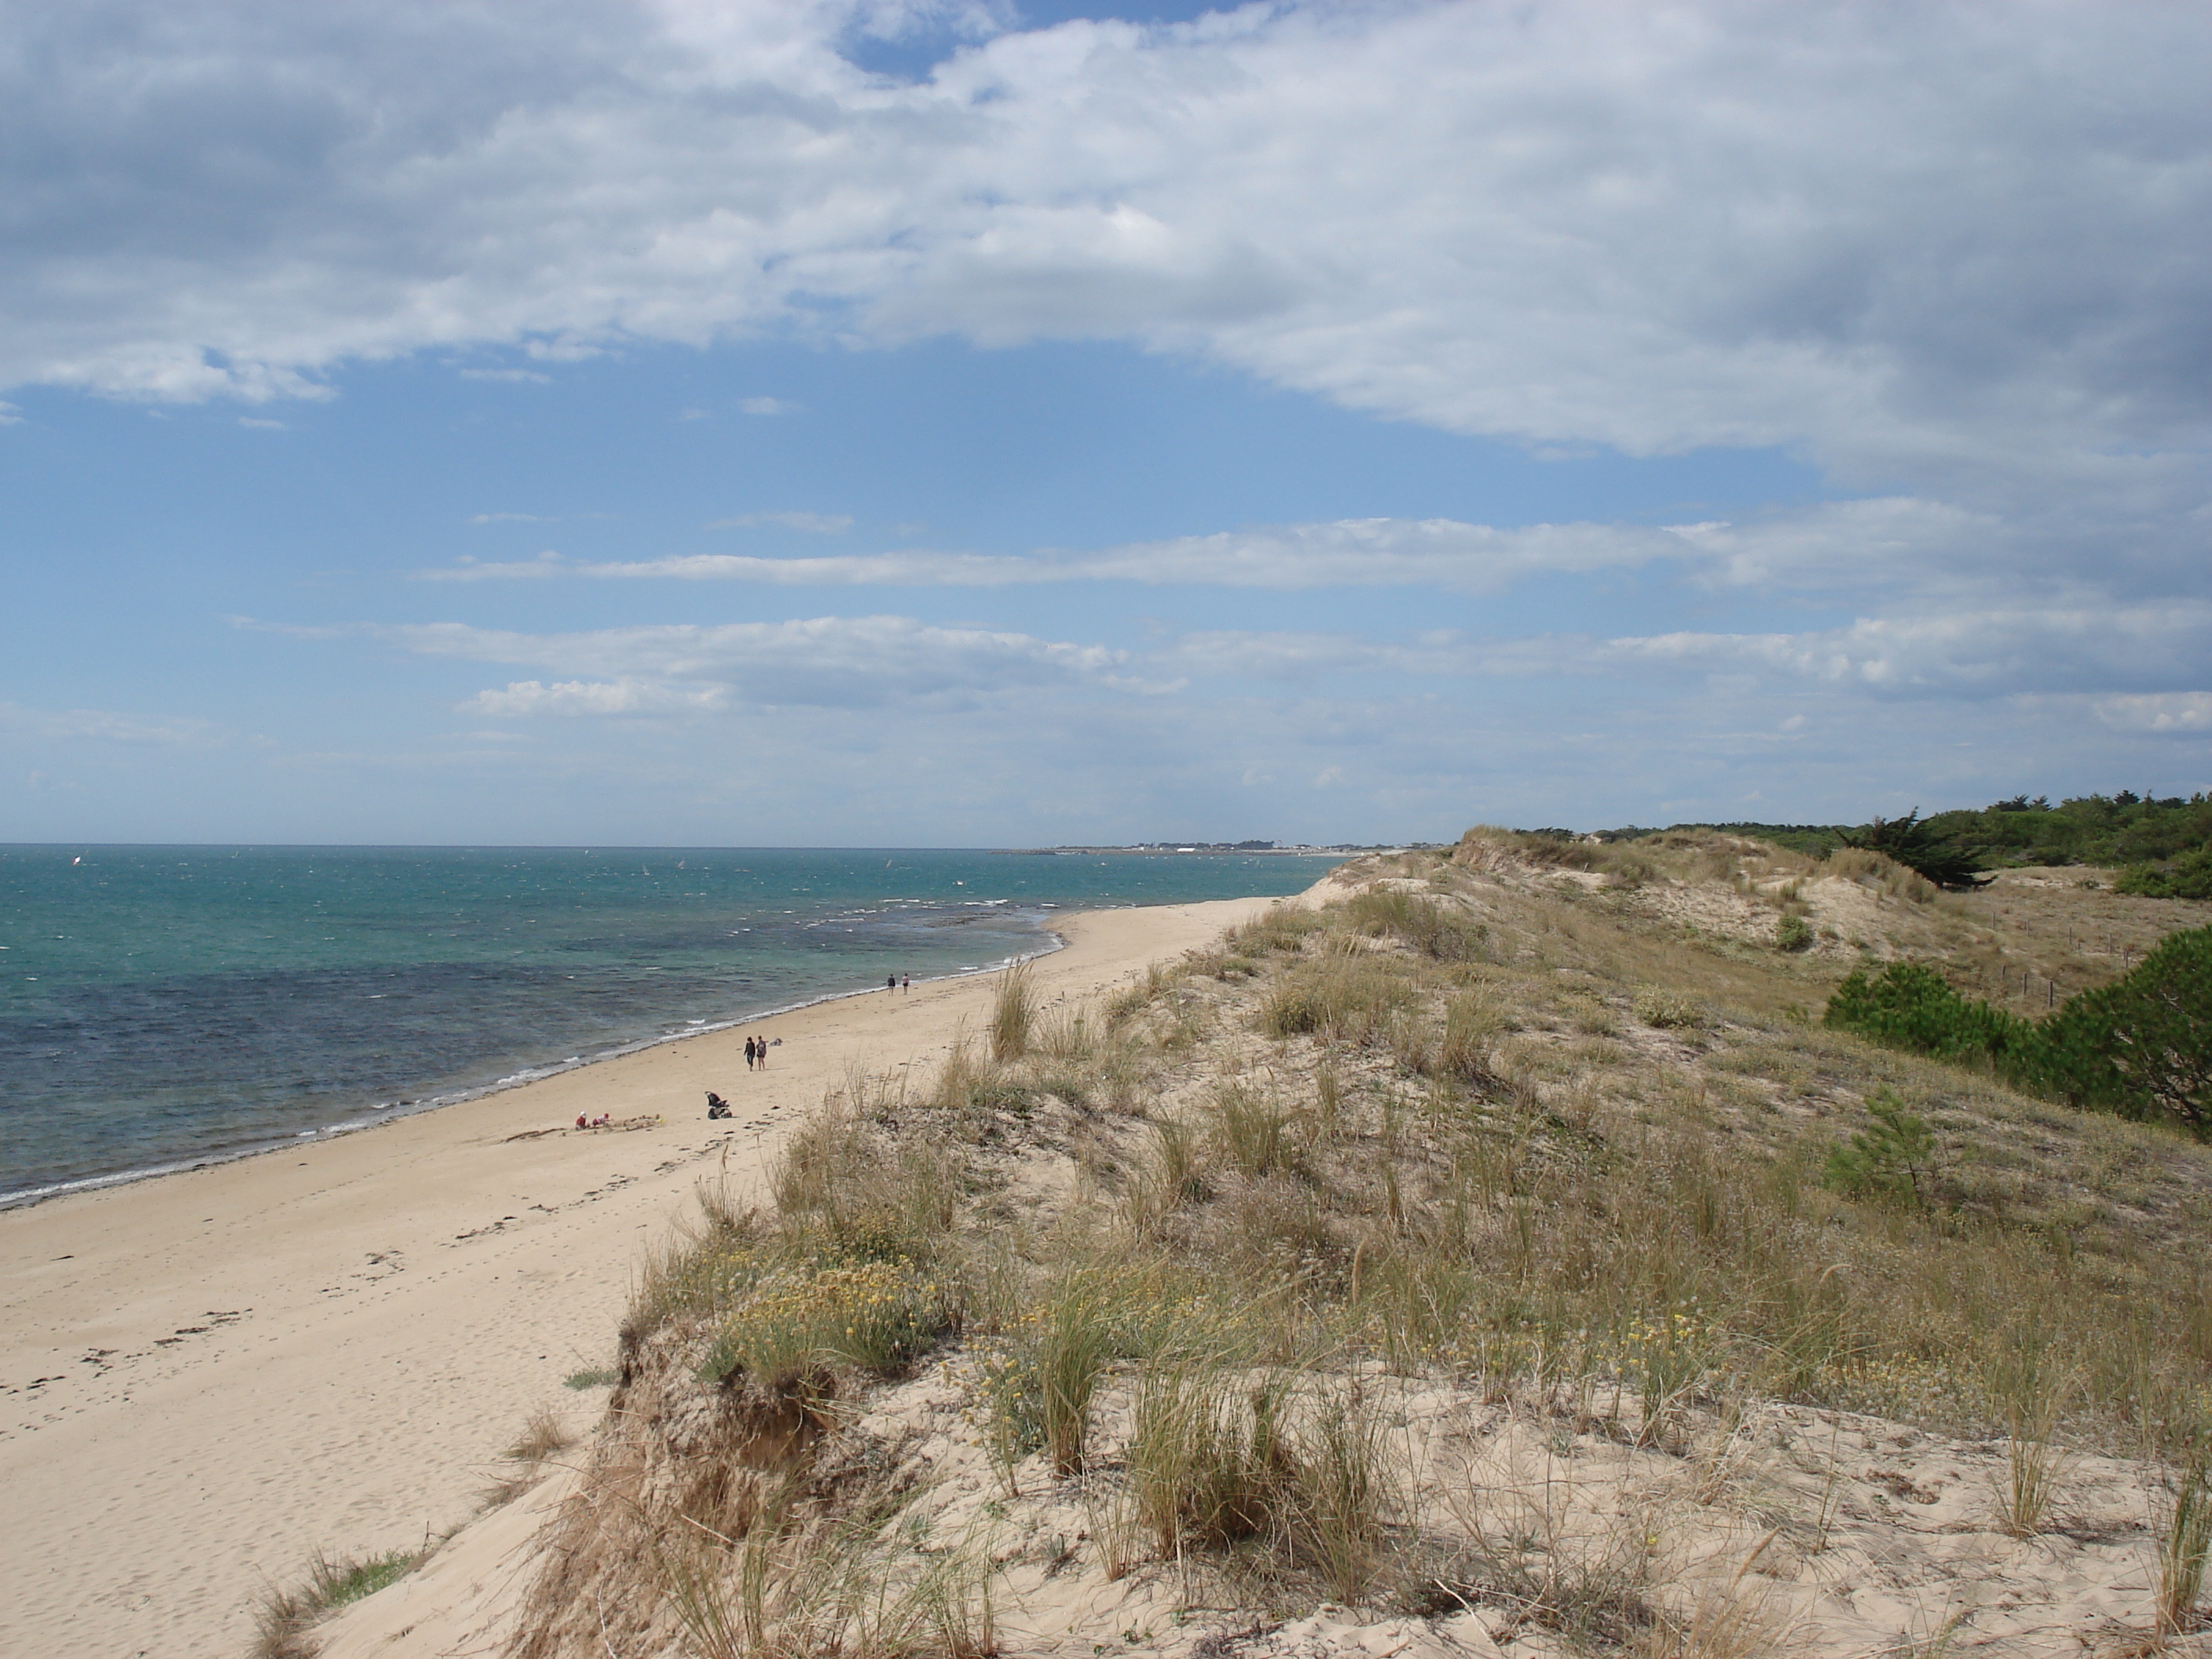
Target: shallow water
(159,1007)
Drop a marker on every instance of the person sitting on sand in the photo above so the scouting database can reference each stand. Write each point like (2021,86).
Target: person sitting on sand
(600,1122)
(582,1122)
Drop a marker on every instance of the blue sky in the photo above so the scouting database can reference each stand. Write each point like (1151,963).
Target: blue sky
(936,424)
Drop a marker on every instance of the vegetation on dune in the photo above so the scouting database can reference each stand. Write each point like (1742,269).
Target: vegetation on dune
(2163,848)
(2140,1047)
(287,1618)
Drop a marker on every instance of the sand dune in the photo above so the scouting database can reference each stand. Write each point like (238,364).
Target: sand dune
(209,1375)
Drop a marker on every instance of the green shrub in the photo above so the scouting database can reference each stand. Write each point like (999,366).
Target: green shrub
(2189,877)
(2140,1047)
(1792,933)
(2143,1044)
(1908,842)
(1886,1159)
(1910,1005)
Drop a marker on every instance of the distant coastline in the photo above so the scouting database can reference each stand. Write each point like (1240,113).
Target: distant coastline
(1212,848)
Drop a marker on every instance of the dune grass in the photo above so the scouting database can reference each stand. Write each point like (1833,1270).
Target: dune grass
(285,1622)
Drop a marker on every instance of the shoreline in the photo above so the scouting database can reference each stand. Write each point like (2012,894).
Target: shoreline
(400,1111)
(231,1367)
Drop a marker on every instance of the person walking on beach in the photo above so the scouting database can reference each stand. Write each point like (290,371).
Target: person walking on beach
(764,1054)
(890,981)
(906,982)
(749,1053)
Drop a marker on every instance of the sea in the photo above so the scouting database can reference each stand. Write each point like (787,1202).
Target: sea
(162,1007)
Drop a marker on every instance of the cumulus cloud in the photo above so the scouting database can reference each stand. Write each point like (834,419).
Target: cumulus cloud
(1912,241)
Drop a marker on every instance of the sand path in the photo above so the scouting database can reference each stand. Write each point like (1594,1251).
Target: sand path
(207,1377)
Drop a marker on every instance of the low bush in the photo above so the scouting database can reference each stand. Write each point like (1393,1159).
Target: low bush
(872,1316)
(2189,877)
(1792,933)
(2140,1047)
(1910,1005)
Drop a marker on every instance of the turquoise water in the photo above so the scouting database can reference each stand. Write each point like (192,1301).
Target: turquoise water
(165,1006)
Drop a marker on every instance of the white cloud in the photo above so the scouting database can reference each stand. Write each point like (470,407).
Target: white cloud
(819,524)
(2088,648)
(520,376)
(11,416)
(104,726)
(1654,228)
(595,697)
(507,518)
(827,661)
(763,406)
(1898,546)
(2184,713)
(1349,553)
(261,425)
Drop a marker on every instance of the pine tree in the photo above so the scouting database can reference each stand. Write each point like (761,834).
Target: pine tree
(1887,1158)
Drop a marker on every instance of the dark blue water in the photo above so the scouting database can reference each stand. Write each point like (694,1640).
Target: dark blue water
(162,1006)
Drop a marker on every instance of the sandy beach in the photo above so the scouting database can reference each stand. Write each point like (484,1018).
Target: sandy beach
(209,1375)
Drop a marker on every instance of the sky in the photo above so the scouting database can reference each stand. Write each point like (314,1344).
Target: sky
(897,423)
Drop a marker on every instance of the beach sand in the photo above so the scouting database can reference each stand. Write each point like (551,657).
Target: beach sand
(208,1377)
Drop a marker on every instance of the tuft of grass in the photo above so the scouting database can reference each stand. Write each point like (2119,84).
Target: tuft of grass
(1669,1010)
(1440,932)
(1343,1493)
(1472,1027)
(285,1619)
(2185,1539)
(1345,999)
(845,1587)
(1252,1130)
(544,1436)
(2032,1399)
(1282,931)
(1208,1463)
(595,1378)
(1013,1014)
